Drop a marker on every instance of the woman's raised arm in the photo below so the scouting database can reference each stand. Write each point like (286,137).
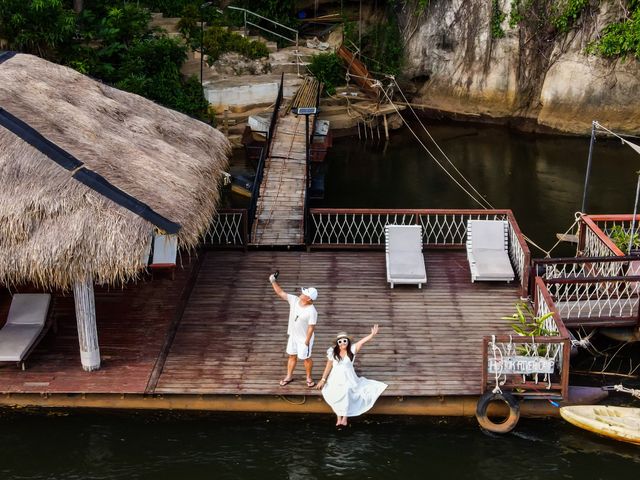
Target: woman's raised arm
(374,332)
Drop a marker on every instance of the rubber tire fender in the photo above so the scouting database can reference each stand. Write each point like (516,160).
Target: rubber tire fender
(486,423)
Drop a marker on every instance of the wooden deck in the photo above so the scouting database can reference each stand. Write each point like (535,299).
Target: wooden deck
(133,323)
(230,339)
(280,210)
(233,333)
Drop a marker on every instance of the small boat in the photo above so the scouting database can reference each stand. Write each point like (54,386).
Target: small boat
(619,423)
(242,185)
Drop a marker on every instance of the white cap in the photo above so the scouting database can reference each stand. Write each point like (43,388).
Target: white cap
(311,292)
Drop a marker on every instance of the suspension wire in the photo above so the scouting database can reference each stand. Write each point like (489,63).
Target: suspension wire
(438,146)
(433,156)
(602,127)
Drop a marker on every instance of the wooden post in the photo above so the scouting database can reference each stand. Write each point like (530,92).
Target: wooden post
(386,127)
(86,322)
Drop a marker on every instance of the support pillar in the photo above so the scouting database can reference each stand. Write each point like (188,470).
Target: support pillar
(86,322)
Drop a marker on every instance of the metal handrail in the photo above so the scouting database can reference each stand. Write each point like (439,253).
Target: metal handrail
(295,41)
(247,22)
(255,191)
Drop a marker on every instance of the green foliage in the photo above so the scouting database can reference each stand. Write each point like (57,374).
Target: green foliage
(621,38)
(218,40)
(37,26)
(555,16)
(527,324)
(567,12)
(327,68)
(621,238)
(497,17)
(110,40)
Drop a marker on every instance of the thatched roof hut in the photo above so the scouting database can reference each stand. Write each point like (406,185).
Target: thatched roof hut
(56,230)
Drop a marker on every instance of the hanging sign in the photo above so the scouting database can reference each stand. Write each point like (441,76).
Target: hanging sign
(521,365)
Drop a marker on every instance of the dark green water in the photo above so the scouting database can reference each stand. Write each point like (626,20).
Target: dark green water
(155,447)
(539,177)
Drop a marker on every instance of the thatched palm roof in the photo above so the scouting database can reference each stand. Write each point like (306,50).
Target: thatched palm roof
(53,229)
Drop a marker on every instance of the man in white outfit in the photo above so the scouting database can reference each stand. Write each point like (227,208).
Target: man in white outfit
(302,322)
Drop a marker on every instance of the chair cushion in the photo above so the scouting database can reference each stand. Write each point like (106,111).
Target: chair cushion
(404,238)
(15,340)
(165,249)
(488,234)
(407,265)
(491,264)
(29,309)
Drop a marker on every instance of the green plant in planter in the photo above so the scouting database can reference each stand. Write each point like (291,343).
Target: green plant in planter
(528,324)
(622,239)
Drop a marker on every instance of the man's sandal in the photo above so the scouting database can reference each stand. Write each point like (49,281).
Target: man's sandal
(311,383)
(284,382)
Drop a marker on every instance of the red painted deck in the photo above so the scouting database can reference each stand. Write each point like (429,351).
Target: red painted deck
(132,325)
(232,334)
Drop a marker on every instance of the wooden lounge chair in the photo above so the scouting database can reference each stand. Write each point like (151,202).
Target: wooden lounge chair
(403,252)
(26,325)
(488,250)
(165,250)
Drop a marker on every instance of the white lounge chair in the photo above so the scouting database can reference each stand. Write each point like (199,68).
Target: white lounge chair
(488,250)
(403,252)
(25,326)
(165,250)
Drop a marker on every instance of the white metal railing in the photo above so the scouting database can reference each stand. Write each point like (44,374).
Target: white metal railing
(594,246)
(227,228)
(364,228)
(585,289)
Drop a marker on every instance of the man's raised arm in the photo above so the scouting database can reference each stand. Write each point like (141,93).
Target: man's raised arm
(276,288)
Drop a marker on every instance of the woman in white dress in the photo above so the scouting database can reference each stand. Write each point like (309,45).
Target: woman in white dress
(346,393)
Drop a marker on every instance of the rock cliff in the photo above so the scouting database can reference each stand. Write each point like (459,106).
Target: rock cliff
(540,80)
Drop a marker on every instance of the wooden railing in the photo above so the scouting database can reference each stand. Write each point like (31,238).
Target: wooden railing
(594,291)
(595,234)
(364,228)
(227,229)
(530,366)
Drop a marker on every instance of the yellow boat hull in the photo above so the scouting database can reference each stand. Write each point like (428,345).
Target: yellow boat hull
(619,423)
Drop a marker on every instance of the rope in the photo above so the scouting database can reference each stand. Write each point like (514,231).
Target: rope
(497,373)
(433,156)
(632,391)
(438,146)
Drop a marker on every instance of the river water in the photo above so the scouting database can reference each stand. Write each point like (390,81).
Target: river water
(539,177)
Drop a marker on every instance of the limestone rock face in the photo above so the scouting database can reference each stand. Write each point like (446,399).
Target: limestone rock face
(460,68)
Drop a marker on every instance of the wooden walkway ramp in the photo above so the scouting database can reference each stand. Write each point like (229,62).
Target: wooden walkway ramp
(279,216)
(280,210)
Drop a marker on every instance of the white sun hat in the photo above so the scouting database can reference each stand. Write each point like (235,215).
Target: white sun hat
(310,292)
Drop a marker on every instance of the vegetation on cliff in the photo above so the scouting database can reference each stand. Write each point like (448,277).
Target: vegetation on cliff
(109,40)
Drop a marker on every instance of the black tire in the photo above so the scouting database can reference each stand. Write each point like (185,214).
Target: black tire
(501,427)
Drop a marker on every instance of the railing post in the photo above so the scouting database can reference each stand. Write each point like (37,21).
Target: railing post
(485,364)
(246,30)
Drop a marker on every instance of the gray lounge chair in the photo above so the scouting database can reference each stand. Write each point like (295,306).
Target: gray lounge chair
(488,250)
(25,326)
(403,252)
(165,250)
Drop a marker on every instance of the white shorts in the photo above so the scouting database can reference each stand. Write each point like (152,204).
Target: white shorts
(297,347)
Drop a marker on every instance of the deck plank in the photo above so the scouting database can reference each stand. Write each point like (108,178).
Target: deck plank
(233,332)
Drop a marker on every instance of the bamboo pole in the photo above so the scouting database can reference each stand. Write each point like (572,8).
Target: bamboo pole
(86,323)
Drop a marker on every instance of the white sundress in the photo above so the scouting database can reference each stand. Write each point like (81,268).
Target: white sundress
(346,393)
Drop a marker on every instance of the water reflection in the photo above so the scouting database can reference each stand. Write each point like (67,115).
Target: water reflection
(539,177)
(142,446)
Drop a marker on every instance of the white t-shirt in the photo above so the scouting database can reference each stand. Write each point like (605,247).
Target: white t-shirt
(300,318)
